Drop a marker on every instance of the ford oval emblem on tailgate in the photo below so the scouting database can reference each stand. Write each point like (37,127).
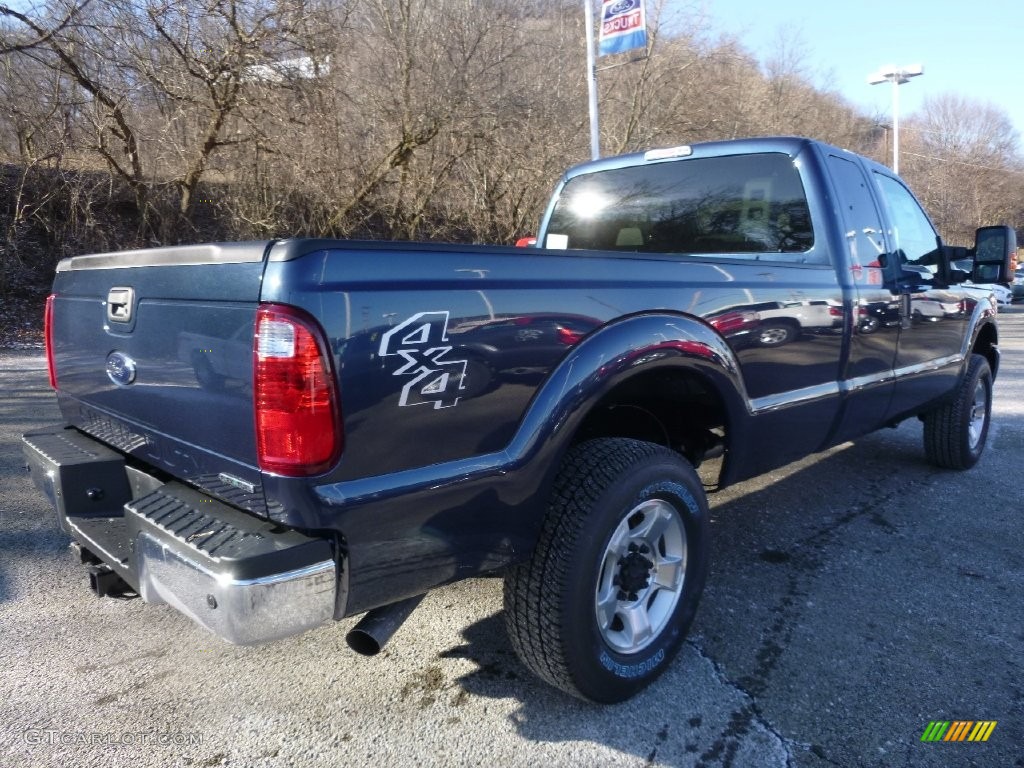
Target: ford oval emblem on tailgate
(120,369)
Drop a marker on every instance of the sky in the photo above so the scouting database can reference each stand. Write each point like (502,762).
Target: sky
(972,48)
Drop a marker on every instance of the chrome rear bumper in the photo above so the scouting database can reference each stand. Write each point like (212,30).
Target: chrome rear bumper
(242,611)
(243,578)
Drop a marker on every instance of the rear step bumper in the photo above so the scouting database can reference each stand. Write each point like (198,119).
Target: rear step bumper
(243,578)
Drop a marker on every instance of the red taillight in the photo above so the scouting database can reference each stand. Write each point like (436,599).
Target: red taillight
(298,424)
(568,337)
(734,322)
(51,368)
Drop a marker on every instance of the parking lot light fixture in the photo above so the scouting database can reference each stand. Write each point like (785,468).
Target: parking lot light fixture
(896,76)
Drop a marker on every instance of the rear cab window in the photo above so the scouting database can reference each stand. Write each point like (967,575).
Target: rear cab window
(735,205)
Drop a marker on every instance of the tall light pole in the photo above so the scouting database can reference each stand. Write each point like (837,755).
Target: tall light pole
(595,133)
(897,77)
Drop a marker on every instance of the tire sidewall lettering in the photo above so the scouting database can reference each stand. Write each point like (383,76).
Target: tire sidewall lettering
(671,492)
(634,670)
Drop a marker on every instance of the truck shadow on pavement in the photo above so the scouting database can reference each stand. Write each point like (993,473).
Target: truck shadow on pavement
(32,548)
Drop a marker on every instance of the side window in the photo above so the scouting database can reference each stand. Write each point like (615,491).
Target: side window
(914,237)
(861,221)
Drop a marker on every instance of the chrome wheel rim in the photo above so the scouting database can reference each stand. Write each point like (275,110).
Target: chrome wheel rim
(978,415)
(774,335)
(641,576)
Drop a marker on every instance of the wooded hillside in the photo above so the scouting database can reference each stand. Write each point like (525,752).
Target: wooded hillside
(140,122)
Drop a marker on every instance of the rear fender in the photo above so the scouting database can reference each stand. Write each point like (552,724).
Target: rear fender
(407,532)
(600,362)
(609,357)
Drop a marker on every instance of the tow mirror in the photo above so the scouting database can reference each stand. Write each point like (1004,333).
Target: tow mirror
(995,250)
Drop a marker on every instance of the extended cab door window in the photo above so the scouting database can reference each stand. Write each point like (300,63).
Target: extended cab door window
(730,205)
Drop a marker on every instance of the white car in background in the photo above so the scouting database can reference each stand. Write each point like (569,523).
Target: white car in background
(1002,294)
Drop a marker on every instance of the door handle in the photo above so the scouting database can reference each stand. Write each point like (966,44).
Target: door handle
(905,309)
(119,304)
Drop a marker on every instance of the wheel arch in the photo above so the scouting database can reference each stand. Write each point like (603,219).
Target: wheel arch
(635,378)
(986,344)
(675,406)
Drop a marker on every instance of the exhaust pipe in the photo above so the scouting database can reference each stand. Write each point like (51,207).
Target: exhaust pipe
(375,628)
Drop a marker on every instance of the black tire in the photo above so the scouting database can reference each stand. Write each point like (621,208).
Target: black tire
(955,433)
(612,498)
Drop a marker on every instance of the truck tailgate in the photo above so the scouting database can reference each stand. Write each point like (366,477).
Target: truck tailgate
(152,352)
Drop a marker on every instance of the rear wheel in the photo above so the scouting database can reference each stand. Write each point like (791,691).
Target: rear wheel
(775,334)
(955,433)
(869,324)
(614,583)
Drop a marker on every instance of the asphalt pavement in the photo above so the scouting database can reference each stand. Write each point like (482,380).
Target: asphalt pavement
(855,597)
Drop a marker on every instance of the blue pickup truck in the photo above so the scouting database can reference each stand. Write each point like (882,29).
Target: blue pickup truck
(271,435)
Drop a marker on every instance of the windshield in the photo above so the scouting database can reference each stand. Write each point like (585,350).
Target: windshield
(734,204)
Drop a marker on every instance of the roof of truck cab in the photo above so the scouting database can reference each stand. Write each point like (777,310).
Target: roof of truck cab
(789,145)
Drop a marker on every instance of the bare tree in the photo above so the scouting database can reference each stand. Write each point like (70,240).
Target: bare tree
(435,119)
(963,158)
(12,41)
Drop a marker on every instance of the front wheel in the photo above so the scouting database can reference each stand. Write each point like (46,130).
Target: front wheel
(955,433)
(613,586)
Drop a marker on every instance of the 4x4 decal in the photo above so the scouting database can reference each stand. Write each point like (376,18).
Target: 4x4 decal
(421,342)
